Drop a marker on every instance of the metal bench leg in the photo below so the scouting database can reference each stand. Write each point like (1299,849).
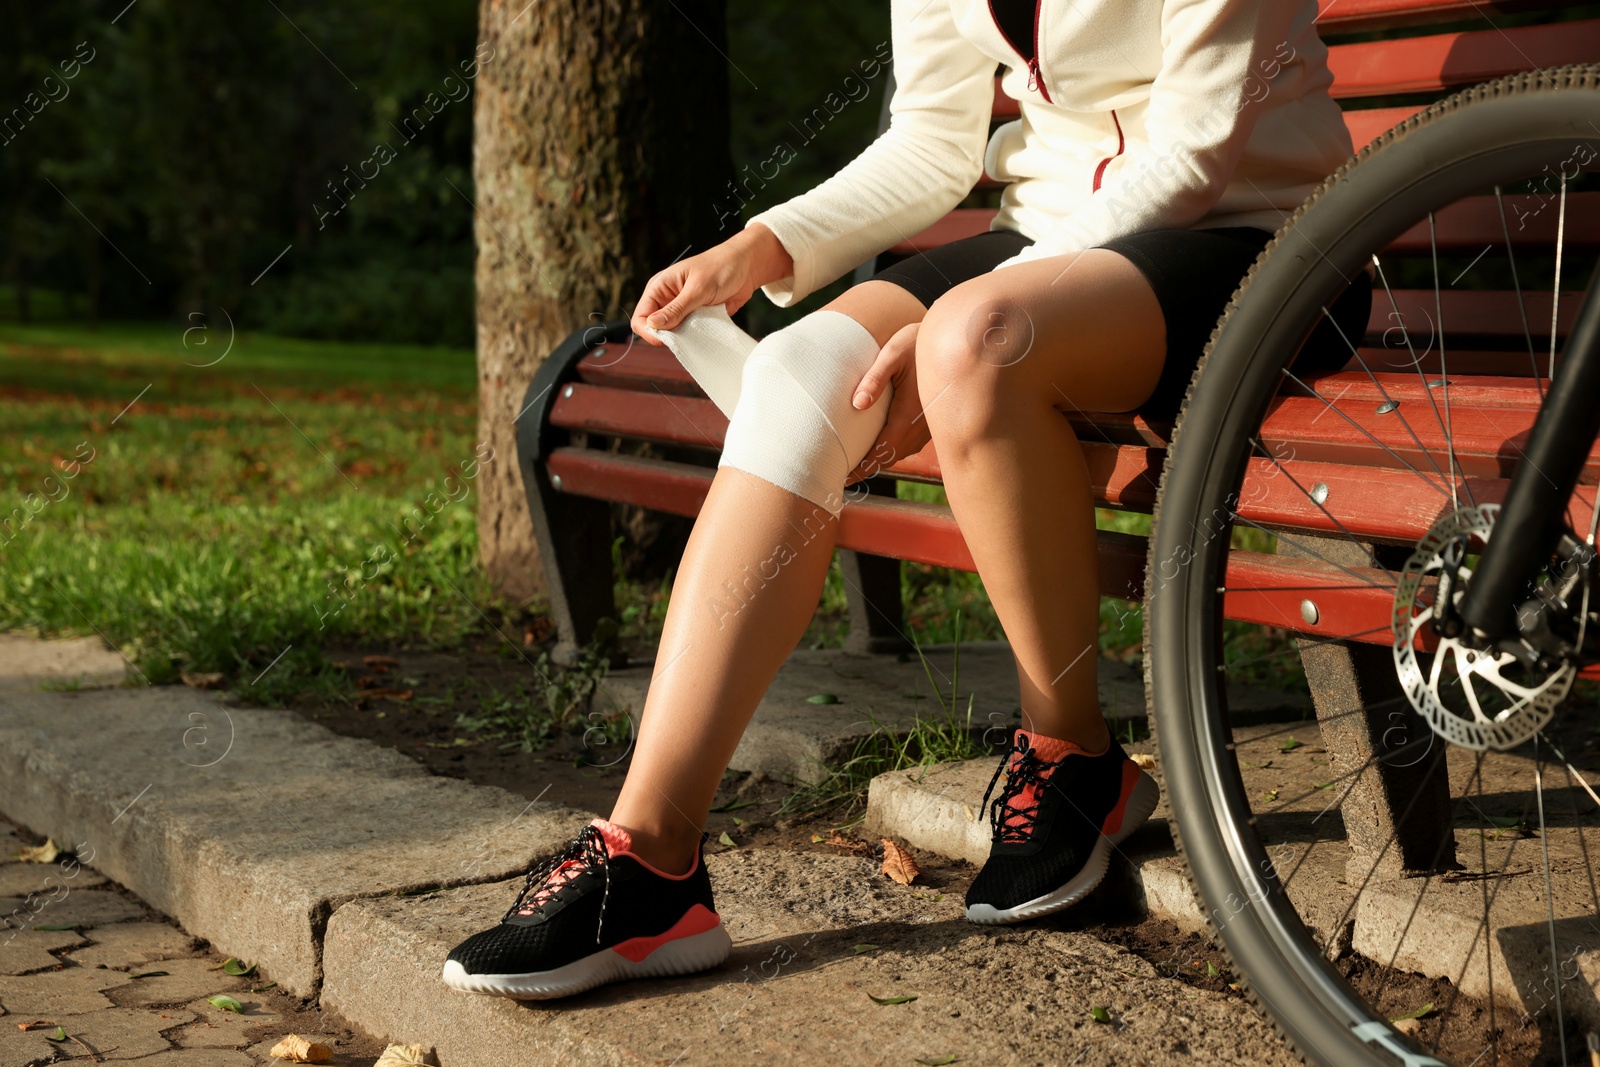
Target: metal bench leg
(573,532)
(574,538)
(1402,799)
(872,592)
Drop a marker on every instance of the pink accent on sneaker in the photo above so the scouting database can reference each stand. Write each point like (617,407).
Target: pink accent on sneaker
(620,843)
(697,920)
(1130,779)
(617,839)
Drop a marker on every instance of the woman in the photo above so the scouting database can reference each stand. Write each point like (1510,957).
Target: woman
(1159,144)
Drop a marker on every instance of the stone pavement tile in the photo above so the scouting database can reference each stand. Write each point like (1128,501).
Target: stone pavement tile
(44,879)
(22,951)
(25,662)
(91,907)
(125,946)
(215,1028)
(205,1057)
(24,1049)
(248,826)
(186,980)
(121,1033)
(796,989)
(69,991)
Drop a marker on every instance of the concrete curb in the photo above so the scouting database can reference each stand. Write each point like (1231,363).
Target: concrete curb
(249,827)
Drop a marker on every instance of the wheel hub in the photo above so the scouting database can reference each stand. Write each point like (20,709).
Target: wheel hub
(1472,696)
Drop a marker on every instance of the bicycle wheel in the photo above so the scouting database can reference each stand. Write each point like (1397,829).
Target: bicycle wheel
(1436,854)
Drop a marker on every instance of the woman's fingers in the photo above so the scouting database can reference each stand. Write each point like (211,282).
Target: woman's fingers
(890,359)
(657,292)
(904,435)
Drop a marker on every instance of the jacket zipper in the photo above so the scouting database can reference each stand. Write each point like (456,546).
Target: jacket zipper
(1035,79)
(1099,171)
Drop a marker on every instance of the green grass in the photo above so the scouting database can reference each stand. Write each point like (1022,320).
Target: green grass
(245,506)
(216,518)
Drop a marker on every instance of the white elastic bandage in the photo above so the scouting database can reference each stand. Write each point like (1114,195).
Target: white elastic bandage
(713,349)
(794,425)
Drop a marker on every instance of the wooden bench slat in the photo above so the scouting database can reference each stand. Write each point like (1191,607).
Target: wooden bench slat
(1462,362)
(1488,442)
(923,533)
(638,366)
(1470,314)
(1473,224)
(1449,60)
(1469,225)
(1261,588)
(1368,124)
(1351,16)
(1354,387)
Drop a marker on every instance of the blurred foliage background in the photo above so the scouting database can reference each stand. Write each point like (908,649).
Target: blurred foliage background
(195,142)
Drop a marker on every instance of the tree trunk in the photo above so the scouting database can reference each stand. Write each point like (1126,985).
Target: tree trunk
(600,145)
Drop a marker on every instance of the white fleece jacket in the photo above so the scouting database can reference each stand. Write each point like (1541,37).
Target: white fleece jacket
(1141,115)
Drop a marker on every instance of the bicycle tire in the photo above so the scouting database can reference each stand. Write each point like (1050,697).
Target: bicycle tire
(1265,938)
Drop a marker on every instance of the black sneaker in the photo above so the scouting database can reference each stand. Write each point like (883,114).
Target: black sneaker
(1054,824)
(592,915)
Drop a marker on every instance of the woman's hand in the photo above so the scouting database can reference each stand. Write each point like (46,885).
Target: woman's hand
(905,431)
(728,274)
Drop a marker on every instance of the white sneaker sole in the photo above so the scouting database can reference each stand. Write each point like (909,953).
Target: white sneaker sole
(1146,794)
(686,955)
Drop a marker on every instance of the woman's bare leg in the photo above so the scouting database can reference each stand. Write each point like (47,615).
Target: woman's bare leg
(999,361)
(744,593)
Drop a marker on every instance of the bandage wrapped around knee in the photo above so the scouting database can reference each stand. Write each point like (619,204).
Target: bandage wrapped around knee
(794,425)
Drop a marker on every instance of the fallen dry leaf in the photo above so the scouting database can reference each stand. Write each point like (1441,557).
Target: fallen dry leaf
(380,664)
(898,864)
(1145,760)
(202,679)
(45,853)
(297,1049)
(405,1056)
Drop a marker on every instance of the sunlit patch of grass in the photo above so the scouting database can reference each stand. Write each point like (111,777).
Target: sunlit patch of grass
(236,517)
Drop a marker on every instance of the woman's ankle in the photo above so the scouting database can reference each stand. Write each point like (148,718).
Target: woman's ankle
(667,853)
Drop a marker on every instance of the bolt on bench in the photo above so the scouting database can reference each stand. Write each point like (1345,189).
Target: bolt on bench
(1390,58)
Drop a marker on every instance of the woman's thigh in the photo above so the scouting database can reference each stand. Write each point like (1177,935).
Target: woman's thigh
(882,307)
(1083,329)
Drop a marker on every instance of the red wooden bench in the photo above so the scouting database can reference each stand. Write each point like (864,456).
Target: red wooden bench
(603,384)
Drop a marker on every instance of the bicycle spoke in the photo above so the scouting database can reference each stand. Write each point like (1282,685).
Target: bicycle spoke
(1286,539)
(1555,294)
(1446,423)
(1516,283)
(1355,353)
(1321,507)
(1549,898)
(1287,373)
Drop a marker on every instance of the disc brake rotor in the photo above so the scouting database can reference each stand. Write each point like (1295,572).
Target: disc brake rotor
(1473,697)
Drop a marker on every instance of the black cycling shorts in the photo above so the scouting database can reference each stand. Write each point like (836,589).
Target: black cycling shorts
(1193,272)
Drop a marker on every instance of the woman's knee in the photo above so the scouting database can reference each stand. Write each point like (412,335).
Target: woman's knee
(968,349)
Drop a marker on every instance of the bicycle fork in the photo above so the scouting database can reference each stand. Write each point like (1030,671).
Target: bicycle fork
(1528,530)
